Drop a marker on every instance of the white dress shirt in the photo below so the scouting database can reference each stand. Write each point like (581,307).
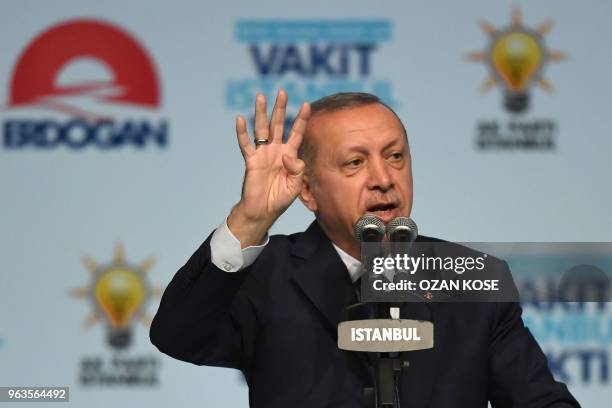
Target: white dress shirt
(226,254)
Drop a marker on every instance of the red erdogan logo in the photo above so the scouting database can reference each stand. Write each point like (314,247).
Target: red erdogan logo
(132,79)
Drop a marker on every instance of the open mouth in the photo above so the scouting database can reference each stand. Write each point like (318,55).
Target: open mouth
(383,211)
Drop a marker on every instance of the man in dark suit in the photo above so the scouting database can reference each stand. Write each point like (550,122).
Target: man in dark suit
(270,306)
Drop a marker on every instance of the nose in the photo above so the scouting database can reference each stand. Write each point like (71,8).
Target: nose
(379,175)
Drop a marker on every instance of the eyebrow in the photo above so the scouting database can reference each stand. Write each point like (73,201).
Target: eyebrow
(361,149)
(392,143)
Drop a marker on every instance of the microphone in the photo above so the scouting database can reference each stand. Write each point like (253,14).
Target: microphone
(368,327)
(369,228)
(402,232)
(402,229)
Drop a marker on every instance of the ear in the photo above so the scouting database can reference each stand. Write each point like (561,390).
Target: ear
(307,196)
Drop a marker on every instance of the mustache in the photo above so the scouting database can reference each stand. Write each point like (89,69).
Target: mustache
(388,201)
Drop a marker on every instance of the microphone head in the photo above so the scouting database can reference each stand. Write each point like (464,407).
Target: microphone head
(402,229)
(369,228)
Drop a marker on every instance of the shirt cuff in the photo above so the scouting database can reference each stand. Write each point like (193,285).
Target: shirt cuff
(225,251)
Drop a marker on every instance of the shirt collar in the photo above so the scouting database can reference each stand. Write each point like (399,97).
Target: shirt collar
(353,265)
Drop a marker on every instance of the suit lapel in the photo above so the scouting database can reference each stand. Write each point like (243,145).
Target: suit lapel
(324,279)
(418,379)
(322,276)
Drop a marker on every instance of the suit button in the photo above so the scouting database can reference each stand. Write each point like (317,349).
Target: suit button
(227,267)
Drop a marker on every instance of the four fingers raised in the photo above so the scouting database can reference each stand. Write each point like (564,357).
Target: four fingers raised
(272,132)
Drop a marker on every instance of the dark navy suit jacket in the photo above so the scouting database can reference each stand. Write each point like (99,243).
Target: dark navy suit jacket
(277,322)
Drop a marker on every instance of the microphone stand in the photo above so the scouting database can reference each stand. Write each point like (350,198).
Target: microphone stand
(387,367)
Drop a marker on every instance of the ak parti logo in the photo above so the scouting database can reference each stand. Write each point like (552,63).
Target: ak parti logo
(119,292)
(516,57)
(90,76)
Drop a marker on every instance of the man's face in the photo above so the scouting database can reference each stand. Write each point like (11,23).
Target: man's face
(361,165)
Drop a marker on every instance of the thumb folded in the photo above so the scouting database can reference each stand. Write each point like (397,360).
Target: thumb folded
(295,167)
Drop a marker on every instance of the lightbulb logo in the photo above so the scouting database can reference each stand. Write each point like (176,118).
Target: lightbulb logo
(119,292)
(516,57)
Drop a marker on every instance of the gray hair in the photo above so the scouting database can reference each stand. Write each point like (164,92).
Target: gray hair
(332,103)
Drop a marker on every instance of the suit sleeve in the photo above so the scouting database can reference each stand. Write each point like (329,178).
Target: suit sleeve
(205,316)
(519,373)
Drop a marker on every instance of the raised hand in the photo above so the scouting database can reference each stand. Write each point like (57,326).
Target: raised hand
(274,173)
